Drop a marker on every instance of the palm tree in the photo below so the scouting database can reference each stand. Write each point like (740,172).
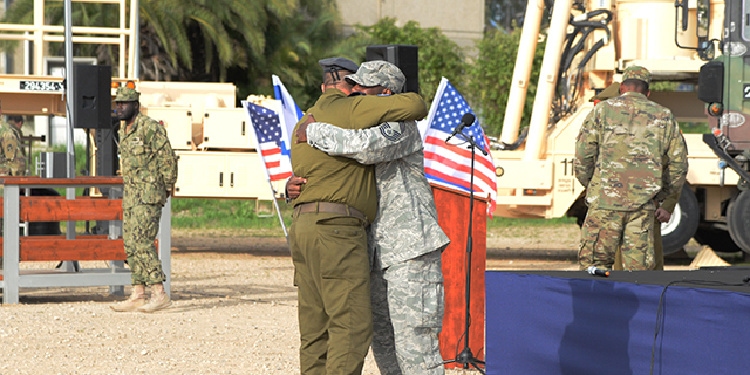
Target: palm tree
(293,47)
(214,40)
(179,38)
(22,12)
(205,37)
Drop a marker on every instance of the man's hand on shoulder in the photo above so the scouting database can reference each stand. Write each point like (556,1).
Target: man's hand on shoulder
(301,131)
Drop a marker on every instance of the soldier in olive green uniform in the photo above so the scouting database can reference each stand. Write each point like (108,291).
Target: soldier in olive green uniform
(328,239)
(662,213)
(405,240)
(149,170)
(13,156)
(630,156)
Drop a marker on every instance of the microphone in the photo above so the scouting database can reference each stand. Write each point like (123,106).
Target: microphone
(592,270)
(466,120)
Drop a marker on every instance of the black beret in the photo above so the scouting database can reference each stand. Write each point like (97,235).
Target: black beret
(338,63)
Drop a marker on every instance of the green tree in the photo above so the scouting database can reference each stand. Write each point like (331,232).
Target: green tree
(491,75)
(438,56)
(22,12)
(187,40)
(207,37)
(212,40)
(293,46)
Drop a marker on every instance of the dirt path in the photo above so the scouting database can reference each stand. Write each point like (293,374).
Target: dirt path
(234,312)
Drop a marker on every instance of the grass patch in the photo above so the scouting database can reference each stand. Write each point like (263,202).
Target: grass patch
(226,214)
(503,222)
(241,214)
(695,127)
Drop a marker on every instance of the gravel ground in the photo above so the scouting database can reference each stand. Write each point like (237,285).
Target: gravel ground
(234,312)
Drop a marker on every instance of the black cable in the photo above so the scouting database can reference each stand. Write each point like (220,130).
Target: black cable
(660,307)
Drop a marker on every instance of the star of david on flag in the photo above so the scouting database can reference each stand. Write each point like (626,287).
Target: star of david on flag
(288,116)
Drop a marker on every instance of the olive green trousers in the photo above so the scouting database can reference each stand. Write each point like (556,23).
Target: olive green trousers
(332,273)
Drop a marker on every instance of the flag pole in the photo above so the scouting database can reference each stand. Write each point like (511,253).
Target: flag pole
(278,211)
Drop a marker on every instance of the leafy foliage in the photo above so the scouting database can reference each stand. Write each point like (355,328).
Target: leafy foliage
(294,44)
(438,55)
(201,40)
(490,78)
(247,42)
(22,12)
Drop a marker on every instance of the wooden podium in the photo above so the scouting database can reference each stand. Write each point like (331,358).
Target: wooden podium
(453,217)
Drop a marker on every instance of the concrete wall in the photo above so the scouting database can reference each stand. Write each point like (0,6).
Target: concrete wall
(461,21)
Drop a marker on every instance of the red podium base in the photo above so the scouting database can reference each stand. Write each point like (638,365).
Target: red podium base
(452,209)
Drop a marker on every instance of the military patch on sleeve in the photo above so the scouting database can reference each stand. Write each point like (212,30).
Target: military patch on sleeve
(392,131)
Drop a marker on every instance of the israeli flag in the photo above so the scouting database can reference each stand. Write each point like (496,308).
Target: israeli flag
(288,116)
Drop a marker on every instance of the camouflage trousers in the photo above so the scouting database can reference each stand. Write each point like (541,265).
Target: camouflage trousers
(605,232)
(407,308)
(140,225)
(658,251)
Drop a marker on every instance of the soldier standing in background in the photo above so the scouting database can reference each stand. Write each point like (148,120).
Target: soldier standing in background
(13,156)
(405,240)
(630,156)
(662,214)
(149,171)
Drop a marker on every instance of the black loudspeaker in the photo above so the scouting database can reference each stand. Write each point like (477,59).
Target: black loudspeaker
(711,82)
(403,56)
(92,96)
(106,140)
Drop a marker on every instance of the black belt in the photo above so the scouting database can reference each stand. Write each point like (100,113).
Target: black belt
(334,208)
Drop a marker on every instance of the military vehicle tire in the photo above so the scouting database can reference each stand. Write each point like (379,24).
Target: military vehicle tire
(682,225)
(738,216)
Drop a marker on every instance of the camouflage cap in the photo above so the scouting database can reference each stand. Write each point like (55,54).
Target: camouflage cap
(126,94)
(610,92)
(636,72)
(379,73)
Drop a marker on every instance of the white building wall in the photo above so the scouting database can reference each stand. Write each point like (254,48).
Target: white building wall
(461,21)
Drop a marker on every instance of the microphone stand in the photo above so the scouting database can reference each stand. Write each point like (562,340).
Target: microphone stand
(466,357)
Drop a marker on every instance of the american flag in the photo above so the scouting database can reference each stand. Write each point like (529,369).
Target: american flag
(268,132)
(449,163)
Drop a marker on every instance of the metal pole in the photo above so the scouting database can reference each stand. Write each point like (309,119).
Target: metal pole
(70,98)
(69,266)
(136,38)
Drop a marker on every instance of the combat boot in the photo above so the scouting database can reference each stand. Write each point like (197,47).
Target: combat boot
(159,300)
(137,299)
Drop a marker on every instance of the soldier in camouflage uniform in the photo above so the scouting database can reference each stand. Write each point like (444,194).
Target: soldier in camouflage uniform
(662,214)
(630,156)
(13,156)
(328,238)
(405,239)
(149,170)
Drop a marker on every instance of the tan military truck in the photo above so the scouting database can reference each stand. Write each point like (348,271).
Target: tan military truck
(588,45)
